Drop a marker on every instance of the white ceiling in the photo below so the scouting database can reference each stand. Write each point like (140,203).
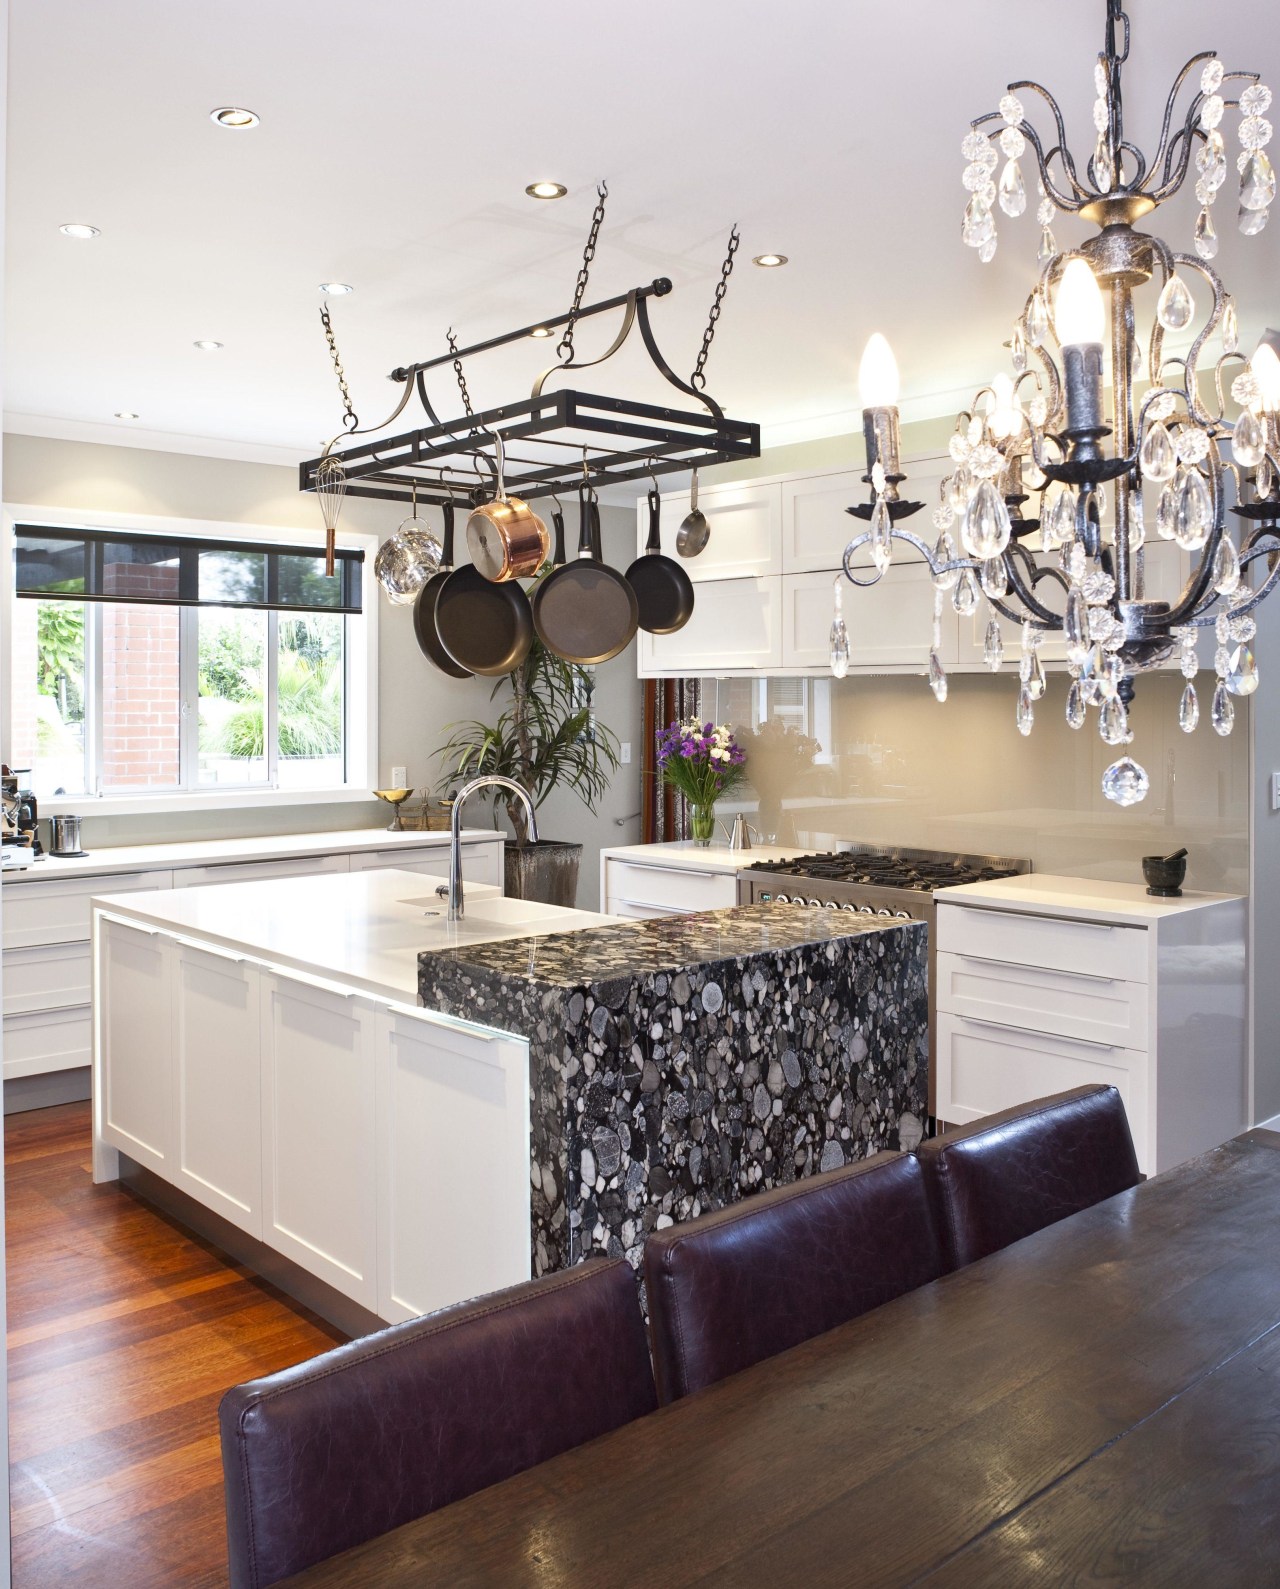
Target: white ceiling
(396,140)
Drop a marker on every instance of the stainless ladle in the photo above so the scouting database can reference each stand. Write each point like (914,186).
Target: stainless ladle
(694,531)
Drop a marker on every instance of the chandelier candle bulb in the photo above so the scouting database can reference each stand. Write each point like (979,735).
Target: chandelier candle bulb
(1080,317)
(1266,372)
(878,391)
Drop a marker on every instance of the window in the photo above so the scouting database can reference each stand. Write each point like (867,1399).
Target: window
(180,665)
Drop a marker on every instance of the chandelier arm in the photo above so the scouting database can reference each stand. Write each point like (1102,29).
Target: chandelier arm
(1217,381)
(1171,105)
(1068,164)
(1263,590)
(1042,617)
(1197,409)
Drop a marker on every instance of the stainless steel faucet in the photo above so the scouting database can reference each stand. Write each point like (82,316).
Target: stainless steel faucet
(455,832)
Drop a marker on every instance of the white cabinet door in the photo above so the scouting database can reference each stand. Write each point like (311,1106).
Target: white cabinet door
(57,910)
(52,977)
(47,1040)
(816,527)
(217,1082)
(481,862)
(318,1203)
(255,871)
(453,1167)
(889,623)
(746,530)
(735,628)
(632,888)
(135,1016)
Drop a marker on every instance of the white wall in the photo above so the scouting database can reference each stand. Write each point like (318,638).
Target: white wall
(416,702)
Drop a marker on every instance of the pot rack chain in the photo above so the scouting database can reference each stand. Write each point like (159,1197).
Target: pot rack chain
(462,379)
(564,348)
(698,378)
(350,420)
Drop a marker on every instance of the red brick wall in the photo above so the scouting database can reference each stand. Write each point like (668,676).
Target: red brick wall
(141,699)
(22,683)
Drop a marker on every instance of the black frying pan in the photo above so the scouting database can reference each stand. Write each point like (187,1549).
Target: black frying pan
(663,590)
(558,560)
(424,608)
(485,627)
(587,612)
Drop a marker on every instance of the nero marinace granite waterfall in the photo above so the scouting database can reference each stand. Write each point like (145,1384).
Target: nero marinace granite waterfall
(679,1064)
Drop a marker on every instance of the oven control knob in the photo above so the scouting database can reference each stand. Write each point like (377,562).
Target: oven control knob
(852,908)
(866,910)
(782,899)
(816,903)
(902,915)
(830,904)
(884,911)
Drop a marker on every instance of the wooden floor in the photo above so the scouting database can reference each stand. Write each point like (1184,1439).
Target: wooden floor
(123,1334)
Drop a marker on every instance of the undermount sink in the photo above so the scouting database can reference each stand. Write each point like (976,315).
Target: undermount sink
(489,914)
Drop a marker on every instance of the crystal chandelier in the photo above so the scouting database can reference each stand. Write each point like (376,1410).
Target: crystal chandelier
(1040,425)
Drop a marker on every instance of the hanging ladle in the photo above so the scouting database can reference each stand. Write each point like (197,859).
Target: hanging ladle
(694,531)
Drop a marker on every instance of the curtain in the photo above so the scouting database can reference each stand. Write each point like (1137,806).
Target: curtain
(663,816)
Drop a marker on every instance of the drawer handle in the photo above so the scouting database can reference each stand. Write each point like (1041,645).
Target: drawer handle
(686,871)
(661,910)
(1035,1031)
(1035,915)
(1059,971)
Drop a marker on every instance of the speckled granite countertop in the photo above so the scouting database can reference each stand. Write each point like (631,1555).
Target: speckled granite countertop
(666,943)
(680,1063)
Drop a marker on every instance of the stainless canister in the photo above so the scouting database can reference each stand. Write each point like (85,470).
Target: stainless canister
(64,835)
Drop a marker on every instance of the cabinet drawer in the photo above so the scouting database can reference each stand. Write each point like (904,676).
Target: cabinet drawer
(983,1068)
(656,890)
(53,977)
(639,910)
(57,911)
(481,863)
(1058,944)
(1066,1003)
(45,1041)
(254,871)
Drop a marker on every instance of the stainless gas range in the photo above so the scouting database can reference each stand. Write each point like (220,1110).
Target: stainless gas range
(875,880)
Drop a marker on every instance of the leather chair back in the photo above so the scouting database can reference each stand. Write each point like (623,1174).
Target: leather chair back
(753,1279)
(1015,1172)
(323,1456)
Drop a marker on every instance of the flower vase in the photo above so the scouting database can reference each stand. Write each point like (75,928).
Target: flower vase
(702,823)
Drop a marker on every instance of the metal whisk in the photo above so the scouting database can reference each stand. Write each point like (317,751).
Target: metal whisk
(331,487)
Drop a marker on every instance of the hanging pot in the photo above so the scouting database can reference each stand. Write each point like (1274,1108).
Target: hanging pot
(506,538)
(663,590)
(586,611)
(424,608)
(483,627)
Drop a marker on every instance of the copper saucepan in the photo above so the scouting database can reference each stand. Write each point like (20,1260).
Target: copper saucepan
(506,538)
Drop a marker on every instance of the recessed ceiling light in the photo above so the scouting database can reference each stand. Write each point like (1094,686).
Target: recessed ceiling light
(126,413)
(546,190)
(335,289)
(769,261)
(79,229)
(235,117)
(540,331)
(207,347)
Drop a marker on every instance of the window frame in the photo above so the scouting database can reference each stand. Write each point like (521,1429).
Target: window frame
(360,683)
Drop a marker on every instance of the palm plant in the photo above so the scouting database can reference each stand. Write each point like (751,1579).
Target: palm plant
(308,713)
(545,737)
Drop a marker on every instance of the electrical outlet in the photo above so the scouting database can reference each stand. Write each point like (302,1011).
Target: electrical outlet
(1275,791)
(399,780)
(624,754)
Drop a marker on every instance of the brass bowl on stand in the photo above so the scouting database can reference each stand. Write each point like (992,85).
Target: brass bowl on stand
(395,798)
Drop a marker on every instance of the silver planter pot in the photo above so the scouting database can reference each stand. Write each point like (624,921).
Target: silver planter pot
(546,871)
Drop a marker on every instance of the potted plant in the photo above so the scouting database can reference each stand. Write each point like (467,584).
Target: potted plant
(545,737)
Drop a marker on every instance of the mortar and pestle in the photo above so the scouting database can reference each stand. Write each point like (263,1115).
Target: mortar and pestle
(1164,874)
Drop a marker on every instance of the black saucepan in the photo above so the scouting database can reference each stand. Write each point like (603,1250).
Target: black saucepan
(663,590)
(587,612)
(424,608)
(486,627)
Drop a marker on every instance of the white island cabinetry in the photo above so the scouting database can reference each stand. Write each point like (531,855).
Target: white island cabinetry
(258,1048)
(46,914)
(1047,983)
(644,880)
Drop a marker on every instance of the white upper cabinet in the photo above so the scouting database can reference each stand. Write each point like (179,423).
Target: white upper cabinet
(816,526)
(735,628)
(746,530)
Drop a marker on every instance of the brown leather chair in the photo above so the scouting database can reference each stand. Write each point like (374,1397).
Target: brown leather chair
(323,1456)
(762,1275)
(1013,1173)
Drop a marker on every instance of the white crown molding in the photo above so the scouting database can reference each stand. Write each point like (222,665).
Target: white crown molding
(51,428)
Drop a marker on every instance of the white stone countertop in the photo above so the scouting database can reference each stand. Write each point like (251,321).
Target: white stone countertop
(221,852)
(706,857)
(362,929)
(1081,898)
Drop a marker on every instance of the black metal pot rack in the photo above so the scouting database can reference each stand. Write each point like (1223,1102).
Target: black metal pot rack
(571,437)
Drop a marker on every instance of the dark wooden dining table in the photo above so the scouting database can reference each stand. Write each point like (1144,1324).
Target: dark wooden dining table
(1099,1403)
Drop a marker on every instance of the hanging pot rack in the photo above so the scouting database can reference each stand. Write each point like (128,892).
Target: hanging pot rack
(566,434)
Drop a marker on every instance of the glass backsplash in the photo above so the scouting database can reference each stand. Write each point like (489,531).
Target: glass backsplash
(878,760)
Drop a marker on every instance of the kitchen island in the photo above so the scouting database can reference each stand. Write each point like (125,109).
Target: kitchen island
(385,1112)
(678,1063)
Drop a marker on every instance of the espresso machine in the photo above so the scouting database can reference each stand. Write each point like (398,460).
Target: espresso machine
(19,810)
